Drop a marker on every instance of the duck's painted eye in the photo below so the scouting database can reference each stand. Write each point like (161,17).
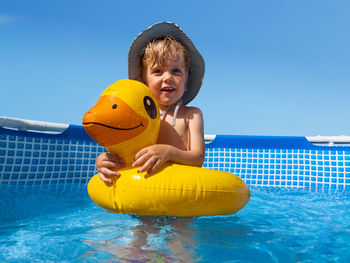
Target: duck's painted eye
(150,107)
(114,106)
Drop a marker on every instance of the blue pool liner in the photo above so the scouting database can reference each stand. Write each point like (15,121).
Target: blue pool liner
(37,159)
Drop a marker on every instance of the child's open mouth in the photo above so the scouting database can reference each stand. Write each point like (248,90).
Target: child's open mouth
(168,90)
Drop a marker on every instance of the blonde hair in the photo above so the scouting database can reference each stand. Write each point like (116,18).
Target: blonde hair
(160,50)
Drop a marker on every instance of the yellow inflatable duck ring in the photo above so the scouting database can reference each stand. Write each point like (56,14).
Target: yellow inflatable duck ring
(126,119)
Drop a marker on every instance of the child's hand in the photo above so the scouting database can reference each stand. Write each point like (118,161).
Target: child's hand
(152,157)
(106,163)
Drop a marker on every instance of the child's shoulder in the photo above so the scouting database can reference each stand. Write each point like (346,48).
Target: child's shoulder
(190,111)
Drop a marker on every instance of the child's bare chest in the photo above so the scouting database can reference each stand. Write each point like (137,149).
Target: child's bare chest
(176,136)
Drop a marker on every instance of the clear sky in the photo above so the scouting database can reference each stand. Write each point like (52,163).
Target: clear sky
(272,67)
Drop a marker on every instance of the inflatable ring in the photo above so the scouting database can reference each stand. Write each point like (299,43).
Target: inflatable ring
(126,119)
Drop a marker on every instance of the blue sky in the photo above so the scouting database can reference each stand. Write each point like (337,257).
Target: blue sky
(272,67)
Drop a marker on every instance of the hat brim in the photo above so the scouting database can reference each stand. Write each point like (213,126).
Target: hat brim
(196,67)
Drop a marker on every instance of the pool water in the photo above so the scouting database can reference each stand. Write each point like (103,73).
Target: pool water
(277,225)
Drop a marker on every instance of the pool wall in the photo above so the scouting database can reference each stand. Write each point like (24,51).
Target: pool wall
(30,158)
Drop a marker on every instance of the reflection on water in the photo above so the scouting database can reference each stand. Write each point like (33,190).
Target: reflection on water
(151,239)
(276,226)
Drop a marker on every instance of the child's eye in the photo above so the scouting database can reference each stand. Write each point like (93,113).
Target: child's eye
(156,71)
(177,71)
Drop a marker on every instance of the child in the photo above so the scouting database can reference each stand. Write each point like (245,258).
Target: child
(165,59)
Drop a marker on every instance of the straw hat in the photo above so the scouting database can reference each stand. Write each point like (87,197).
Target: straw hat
(196,67)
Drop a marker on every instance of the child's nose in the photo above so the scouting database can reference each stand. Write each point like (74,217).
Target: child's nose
(168,76)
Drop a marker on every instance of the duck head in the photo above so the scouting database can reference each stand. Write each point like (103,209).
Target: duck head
(125,119)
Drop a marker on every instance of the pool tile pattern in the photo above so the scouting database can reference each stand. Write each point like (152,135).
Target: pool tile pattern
(30,159)
(26,160)
(294,168)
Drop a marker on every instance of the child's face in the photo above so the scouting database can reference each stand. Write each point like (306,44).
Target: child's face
(167,82)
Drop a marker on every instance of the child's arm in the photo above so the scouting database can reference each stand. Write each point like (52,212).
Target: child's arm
(153,156)
(106,165)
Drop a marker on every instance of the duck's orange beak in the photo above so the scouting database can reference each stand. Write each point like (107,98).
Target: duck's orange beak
(112,121)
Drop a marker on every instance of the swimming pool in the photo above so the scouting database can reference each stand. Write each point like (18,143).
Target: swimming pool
(277,225)
(298,210)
